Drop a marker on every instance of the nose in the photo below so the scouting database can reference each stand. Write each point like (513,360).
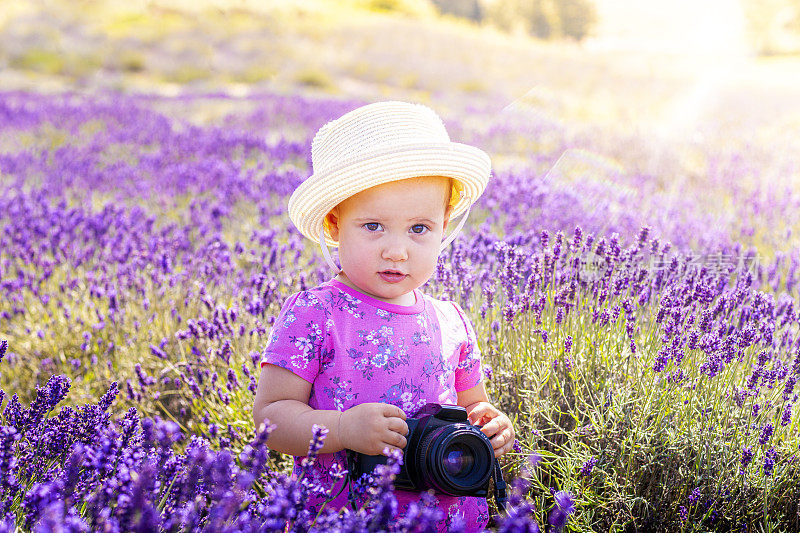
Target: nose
(395,249)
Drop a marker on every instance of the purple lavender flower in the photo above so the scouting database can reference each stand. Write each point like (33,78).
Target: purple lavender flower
(789,387)
(576,239)
(766,434)
(127,260)
(108,398)
(769,461)
(318,438)
(533,460)
(747,457)
(588,466)
(786,417)
(233,382)
(519,517)
(158,352)
(560,512)
(425,515)
(643,234)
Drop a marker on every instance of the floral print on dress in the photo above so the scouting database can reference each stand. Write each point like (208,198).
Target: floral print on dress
(340,392)
(433,366)
(381,336)
(308,346)
(405,395)
(424,333)
(384,357)
(309,299)
(380,353)
(326,358)
(421,337)
(341,301)
(383,314)
(355,350)
(447,374)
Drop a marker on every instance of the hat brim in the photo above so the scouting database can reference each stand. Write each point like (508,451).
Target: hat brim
(317,195)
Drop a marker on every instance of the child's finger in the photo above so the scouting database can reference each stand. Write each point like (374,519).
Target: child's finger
(392,438)
(505,448)
(501,439)
(398,425)
(492,427)
(393,410)
(481,410)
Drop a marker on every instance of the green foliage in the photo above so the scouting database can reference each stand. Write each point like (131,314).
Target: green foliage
(576,18)
(472,86)
(39,60)
(469,9)
(254,74)
(131,61)
(545,19)
(187,73)
(413,8)
(314,78)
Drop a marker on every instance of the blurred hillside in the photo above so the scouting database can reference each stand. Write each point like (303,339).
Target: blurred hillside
(544,19)
(366,48)
(405,49)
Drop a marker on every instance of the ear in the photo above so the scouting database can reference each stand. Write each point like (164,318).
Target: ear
(332,221)
(447,213)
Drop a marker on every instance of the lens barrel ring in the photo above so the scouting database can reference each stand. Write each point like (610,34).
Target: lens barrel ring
(431,458)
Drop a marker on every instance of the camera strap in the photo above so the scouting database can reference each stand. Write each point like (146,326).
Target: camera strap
(348,480)
(500,497)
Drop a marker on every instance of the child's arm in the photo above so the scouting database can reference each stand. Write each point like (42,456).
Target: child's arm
(282,398)
(496,425)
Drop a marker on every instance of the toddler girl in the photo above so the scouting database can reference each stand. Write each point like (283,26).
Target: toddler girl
(366,349)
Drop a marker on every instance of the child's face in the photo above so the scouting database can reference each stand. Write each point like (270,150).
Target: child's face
(394,226)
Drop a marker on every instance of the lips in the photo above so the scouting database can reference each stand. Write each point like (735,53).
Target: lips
(392,276)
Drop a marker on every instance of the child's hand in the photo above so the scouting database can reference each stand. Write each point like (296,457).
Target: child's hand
(496,426)
(370,427)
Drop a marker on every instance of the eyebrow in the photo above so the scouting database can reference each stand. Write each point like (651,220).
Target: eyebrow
(379,219)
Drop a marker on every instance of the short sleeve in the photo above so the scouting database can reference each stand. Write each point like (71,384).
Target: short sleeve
(297,336)
(468,371)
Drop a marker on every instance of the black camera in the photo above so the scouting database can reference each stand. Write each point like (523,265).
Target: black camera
(444,452)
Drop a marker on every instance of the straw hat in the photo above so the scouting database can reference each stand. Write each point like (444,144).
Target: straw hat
(378,143)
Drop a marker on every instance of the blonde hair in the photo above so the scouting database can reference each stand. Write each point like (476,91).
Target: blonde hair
(454,194)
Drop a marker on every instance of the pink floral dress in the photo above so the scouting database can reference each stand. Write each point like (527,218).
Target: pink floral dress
(355,349)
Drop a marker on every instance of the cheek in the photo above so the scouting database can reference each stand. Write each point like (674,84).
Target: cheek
(352,247)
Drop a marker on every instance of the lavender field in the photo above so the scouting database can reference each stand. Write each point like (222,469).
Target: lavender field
(635,300)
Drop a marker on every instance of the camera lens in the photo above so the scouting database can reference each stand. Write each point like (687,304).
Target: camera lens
(458,460)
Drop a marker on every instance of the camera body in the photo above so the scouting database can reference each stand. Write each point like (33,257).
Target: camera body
(444,452)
